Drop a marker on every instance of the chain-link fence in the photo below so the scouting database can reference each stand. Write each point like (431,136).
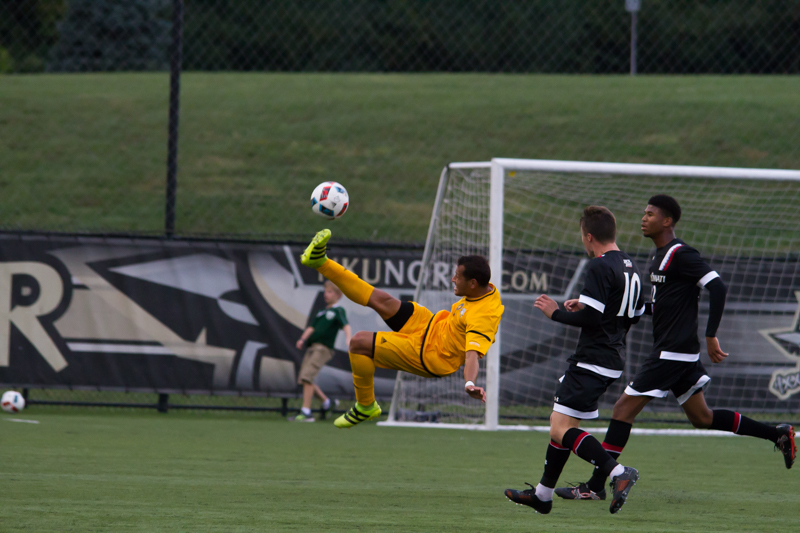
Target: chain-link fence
(373,102)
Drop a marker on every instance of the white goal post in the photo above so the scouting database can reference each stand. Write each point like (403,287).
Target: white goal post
(523,215)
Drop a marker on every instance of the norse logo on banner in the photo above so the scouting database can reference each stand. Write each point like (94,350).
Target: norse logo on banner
(786,382)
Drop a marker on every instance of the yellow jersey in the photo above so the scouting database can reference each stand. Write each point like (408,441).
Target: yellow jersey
(471,324)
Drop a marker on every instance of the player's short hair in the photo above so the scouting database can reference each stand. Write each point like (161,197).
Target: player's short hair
(668,205)
(476,267)
(600,222)
(332,286)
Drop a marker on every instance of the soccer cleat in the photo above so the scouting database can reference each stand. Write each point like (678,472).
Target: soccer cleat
(302,418)
(786,444)
(621,486)
(357,414)
(580,492)
(314,256)
(528,497)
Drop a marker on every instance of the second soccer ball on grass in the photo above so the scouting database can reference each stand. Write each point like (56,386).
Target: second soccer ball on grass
(330,200)
(12,402)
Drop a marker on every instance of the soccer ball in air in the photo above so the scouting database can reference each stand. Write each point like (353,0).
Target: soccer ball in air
(12,402)
(329,200)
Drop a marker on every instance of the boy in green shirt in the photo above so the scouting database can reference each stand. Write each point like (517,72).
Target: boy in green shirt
(319,336)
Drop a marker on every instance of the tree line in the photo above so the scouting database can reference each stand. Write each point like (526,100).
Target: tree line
(545,36)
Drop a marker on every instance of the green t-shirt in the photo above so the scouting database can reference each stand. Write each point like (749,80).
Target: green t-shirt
(327,324)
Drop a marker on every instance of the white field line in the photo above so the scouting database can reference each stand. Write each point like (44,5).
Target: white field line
(546,429)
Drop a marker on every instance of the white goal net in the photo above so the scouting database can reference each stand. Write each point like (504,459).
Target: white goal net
(523,215)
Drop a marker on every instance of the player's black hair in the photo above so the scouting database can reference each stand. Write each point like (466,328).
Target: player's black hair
(600,222)
(476,267)
(668,205)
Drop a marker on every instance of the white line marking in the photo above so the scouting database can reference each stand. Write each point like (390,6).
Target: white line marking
(21,420)
(546,429)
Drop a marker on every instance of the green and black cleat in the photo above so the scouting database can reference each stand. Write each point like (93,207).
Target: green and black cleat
(316,252)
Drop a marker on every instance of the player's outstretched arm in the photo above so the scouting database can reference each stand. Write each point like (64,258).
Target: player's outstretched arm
(471,367)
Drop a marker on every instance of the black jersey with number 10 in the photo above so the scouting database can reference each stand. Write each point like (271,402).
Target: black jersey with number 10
(614,287)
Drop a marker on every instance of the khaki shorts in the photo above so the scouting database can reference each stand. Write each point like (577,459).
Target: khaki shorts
(315,358)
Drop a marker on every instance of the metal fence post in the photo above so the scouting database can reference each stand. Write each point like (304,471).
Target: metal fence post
(633,6)
(174,115)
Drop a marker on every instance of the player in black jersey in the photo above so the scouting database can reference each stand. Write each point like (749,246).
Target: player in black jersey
(609,303)
(677,272)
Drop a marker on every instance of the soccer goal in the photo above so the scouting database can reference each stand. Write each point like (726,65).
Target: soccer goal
(523,215)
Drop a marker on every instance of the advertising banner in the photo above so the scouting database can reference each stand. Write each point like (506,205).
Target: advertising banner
(199,317)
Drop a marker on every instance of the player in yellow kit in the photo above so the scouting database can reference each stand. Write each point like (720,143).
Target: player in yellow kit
(421,342)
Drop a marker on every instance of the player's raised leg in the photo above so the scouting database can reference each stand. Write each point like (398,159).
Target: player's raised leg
(356,289)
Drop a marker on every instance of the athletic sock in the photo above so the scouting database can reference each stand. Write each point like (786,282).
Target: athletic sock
(732,421)
(589,449)
(326,404)
(365,406)
(544,493)
(618,470)
(306,411)
(363,378)
(616,439)
(554,461)
(351,285)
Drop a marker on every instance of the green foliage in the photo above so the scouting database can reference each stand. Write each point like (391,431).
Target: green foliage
(6,62)
(544,36)
(28,31)
(109,35)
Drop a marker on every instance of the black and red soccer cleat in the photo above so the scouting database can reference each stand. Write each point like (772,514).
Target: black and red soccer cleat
(528,497)
(621,486)
(786,444)
(580,492)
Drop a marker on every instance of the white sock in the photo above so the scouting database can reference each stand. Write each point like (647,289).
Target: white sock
(326,404)
(306,411)
(545,494)
(619,469)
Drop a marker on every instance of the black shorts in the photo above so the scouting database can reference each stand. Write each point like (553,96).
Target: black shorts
(400,318)
(578,394)
(656,377)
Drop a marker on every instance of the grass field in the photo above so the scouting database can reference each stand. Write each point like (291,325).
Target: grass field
(87,152)
(120,470)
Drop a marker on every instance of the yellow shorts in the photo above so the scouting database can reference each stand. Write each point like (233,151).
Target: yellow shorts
(402,350)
